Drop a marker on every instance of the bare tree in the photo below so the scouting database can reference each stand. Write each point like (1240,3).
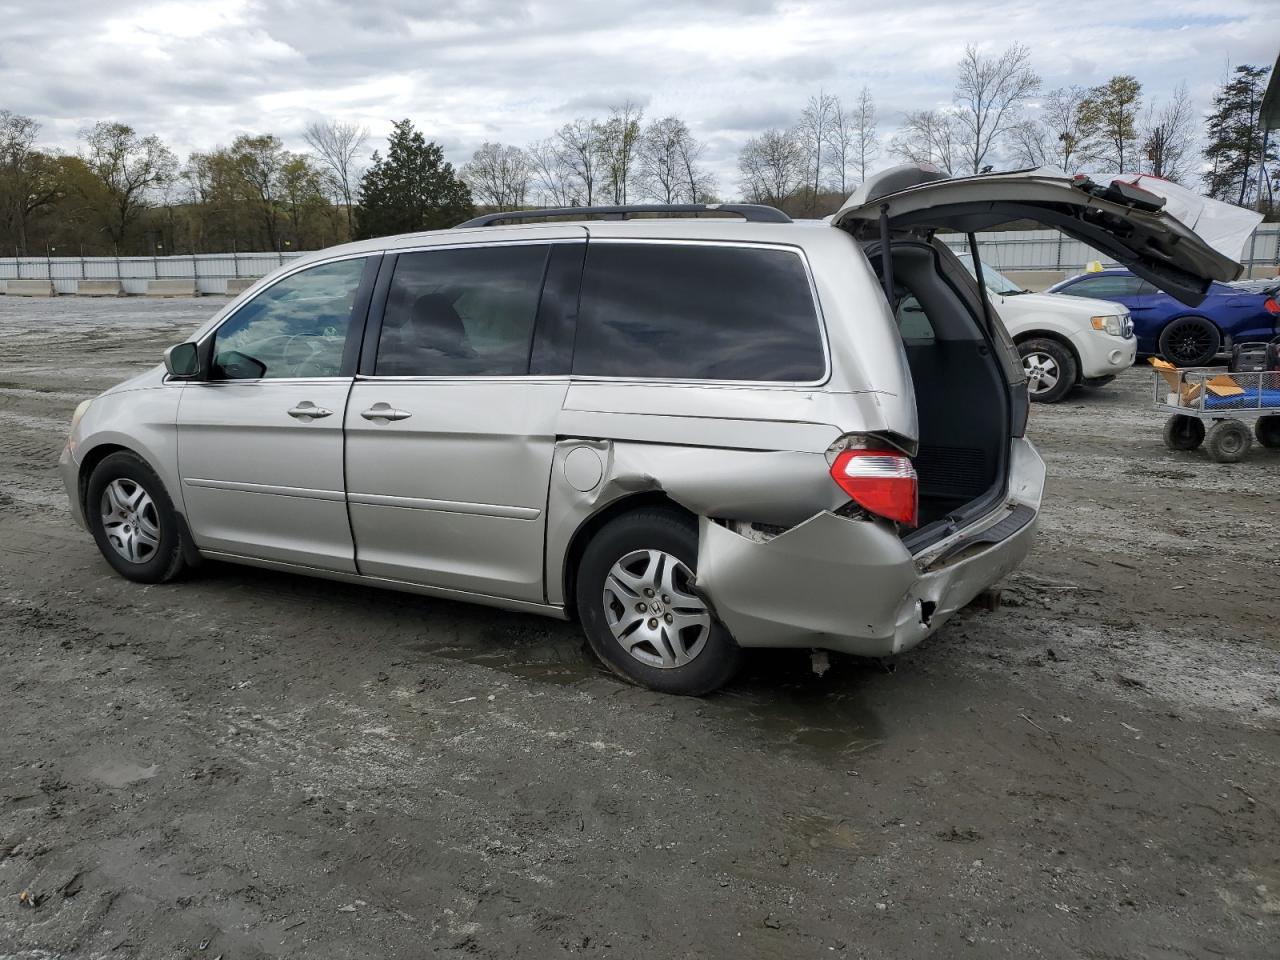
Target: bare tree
(1069,134)
(337,145)
(698,182)
(989,93)
(499,175)
(580,147)
(840,146)
(661,169)
(812,133)
(551,172)
(619,140)
(128,168)
(929,136)
(1167,136)
(667,158)
(773,166)
(1028,141)
(865,145)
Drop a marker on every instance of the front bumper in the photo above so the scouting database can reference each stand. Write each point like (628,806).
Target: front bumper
(69,470)
(851,585)
(1102,355)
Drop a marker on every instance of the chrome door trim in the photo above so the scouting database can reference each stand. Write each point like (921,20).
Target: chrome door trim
(446,506)
(265,488)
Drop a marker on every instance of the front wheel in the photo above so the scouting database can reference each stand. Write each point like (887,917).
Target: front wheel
(133,521)
(1050,368)
(641,611)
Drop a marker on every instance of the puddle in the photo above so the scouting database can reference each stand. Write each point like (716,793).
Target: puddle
(122,774)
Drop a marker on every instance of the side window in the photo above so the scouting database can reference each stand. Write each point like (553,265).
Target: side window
(913,322)
(462,312)
(1105,287)
(295,328)
(697,311)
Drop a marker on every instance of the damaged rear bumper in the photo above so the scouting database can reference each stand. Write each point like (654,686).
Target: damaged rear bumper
(851,585)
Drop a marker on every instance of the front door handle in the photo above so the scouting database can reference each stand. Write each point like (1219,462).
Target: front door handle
(385,413)
(308,411)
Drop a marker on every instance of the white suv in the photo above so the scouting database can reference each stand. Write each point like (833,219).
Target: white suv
(1064,341)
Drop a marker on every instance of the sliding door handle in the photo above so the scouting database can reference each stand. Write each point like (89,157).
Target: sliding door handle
(385,413)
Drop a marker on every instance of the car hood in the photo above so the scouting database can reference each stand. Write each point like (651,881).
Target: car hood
(1060,304)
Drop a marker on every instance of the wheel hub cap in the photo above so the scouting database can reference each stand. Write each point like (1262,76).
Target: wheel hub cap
(652,611)
(1042,372)
(130,520)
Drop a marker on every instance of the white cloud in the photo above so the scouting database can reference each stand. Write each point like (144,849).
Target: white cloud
(201,71)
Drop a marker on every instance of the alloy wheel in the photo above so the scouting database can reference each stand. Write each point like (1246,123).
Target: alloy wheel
(1042,372)
(650,608)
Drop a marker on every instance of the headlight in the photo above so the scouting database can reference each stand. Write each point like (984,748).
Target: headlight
(75,417)
(1112,324)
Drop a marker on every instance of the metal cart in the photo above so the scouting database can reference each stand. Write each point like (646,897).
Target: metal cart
(1212,407)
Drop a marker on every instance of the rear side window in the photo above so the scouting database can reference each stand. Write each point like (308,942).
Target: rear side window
(698,312)
(1104,287)
(461,312)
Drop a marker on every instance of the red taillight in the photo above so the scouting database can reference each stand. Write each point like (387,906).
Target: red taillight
(1271,305)
(881,482)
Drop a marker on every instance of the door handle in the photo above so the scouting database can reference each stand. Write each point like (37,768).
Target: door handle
(308,411)
(385,413)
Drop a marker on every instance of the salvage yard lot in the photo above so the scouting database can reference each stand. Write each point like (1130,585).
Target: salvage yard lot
(285,767)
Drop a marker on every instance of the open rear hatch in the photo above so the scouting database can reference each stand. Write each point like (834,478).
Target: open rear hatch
(1126,222)
(968,382)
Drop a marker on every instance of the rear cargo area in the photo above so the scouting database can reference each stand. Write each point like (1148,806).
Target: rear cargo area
(960,389)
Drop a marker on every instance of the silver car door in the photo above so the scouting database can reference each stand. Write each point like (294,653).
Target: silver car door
(260,444)
(449,436)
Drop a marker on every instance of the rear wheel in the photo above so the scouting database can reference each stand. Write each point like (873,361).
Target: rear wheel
(1228,441)
(133,521)
(1050,368)
(1267,430)
(641,612)
(1183,433)
(1190,342)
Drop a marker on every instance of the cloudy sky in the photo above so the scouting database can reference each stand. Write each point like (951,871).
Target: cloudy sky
(199,72)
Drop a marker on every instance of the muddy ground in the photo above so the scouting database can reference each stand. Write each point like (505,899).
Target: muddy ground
(249,764)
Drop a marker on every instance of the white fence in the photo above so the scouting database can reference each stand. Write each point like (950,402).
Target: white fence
(1017,250)
(211,271)
(1050,250)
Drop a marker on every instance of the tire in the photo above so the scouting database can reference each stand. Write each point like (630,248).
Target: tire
(1190,342)
(1183,433)
(1228,441)
(1267,430)
(1050,367)
(133,521)
(627,557)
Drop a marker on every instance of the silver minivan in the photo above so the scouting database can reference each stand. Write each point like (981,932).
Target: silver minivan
(693,434)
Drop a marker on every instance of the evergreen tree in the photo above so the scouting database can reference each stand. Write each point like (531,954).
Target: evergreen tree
(413,188)
(1235,140)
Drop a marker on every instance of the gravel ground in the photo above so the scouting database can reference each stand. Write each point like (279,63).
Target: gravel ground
(249,764)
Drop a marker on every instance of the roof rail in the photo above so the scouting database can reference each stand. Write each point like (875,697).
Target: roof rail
(751,212)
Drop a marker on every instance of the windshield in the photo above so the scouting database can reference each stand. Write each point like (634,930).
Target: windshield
(996,281)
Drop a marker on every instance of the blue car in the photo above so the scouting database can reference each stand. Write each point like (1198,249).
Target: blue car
(1185,336)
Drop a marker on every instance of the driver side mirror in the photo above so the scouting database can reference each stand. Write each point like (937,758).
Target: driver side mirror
(182,361)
